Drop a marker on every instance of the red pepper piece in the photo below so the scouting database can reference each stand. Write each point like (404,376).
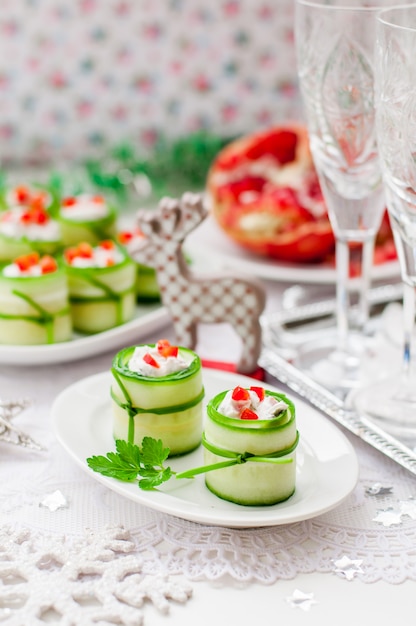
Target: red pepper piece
(124,237)
(259,391)
(85,250)
(69,201)
(38,214)
(70,254)
(239,393)
(48,264)
(248,414)
(107,244)
(150,360)
(165,349)
(22,194)
(27,261)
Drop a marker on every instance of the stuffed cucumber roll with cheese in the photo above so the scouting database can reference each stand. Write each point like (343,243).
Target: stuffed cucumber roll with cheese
(254,432)
(27,195)
(28,228)
(101,283)
(157,391)
(34,307)
(147,287)
(86,217)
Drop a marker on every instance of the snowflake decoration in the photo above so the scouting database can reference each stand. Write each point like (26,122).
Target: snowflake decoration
(99,578)
(9,433)
(388,517)
(54,501)
(408,507)
(347,567)
(301,600)
(377,489)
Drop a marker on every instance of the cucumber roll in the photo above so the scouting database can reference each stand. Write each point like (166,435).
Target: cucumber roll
(24,229)
(101,283)
(27,195)
(147,287)
(157,391)
(86,217)
(34,307)
(254,431)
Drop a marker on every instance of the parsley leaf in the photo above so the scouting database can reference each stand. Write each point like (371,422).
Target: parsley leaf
(145,465)
(153,478)
(130,461)
(153,452)
(115,466)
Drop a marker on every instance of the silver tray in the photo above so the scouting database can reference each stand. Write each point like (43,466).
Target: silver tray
(275,329)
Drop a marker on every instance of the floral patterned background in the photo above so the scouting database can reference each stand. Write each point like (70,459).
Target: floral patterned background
(79,75)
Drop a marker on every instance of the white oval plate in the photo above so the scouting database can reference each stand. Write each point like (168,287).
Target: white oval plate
(148,318)
(327,466)
(211,242)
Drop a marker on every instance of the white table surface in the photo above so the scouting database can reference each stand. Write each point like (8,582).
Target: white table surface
(228,601)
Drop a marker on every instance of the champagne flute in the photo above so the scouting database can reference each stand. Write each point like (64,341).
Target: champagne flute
(335,51)
(392,402)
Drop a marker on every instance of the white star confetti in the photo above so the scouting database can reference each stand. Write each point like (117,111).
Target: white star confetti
(378,490)
(301,600)
(388,517)
(54,501)
(408,507)
(347,567)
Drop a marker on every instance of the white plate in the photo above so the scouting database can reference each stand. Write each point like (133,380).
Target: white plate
(148,318)
(209,240)
(327,467)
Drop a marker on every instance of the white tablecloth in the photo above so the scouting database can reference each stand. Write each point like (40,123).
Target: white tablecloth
(233,575)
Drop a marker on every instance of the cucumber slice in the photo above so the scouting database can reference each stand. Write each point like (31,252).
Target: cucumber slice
(91,231)
(167,408)
(256,483)
(101,297)
(147,287)
(34,310)
(13,247)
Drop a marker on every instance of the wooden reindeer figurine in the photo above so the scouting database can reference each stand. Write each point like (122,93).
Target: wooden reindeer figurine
(190,298)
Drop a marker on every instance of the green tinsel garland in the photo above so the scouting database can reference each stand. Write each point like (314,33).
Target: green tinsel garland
(128,176)
(171,168)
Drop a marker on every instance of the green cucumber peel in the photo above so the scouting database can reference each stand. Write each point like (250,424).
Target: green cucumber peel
(281,420)
(162,410)
(237,458)
(38,245)
(145,464)
(132,411)
(45,317)
(92,299)
(110,295)
(120,365)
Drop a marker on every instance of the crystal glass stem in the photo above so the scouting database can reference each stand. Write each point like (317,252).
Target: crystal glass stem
(409,310)
(351,318)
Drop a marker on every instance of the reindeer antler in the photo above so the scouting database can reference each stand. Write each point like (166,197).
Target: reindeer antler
(193,210)
(173,219)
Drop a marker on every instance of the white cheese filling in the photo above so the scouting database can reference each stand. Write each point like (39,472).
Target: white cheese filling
(14,271)
(266,409)
(101,257)
(11,225)
(167,365)
(85,209)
